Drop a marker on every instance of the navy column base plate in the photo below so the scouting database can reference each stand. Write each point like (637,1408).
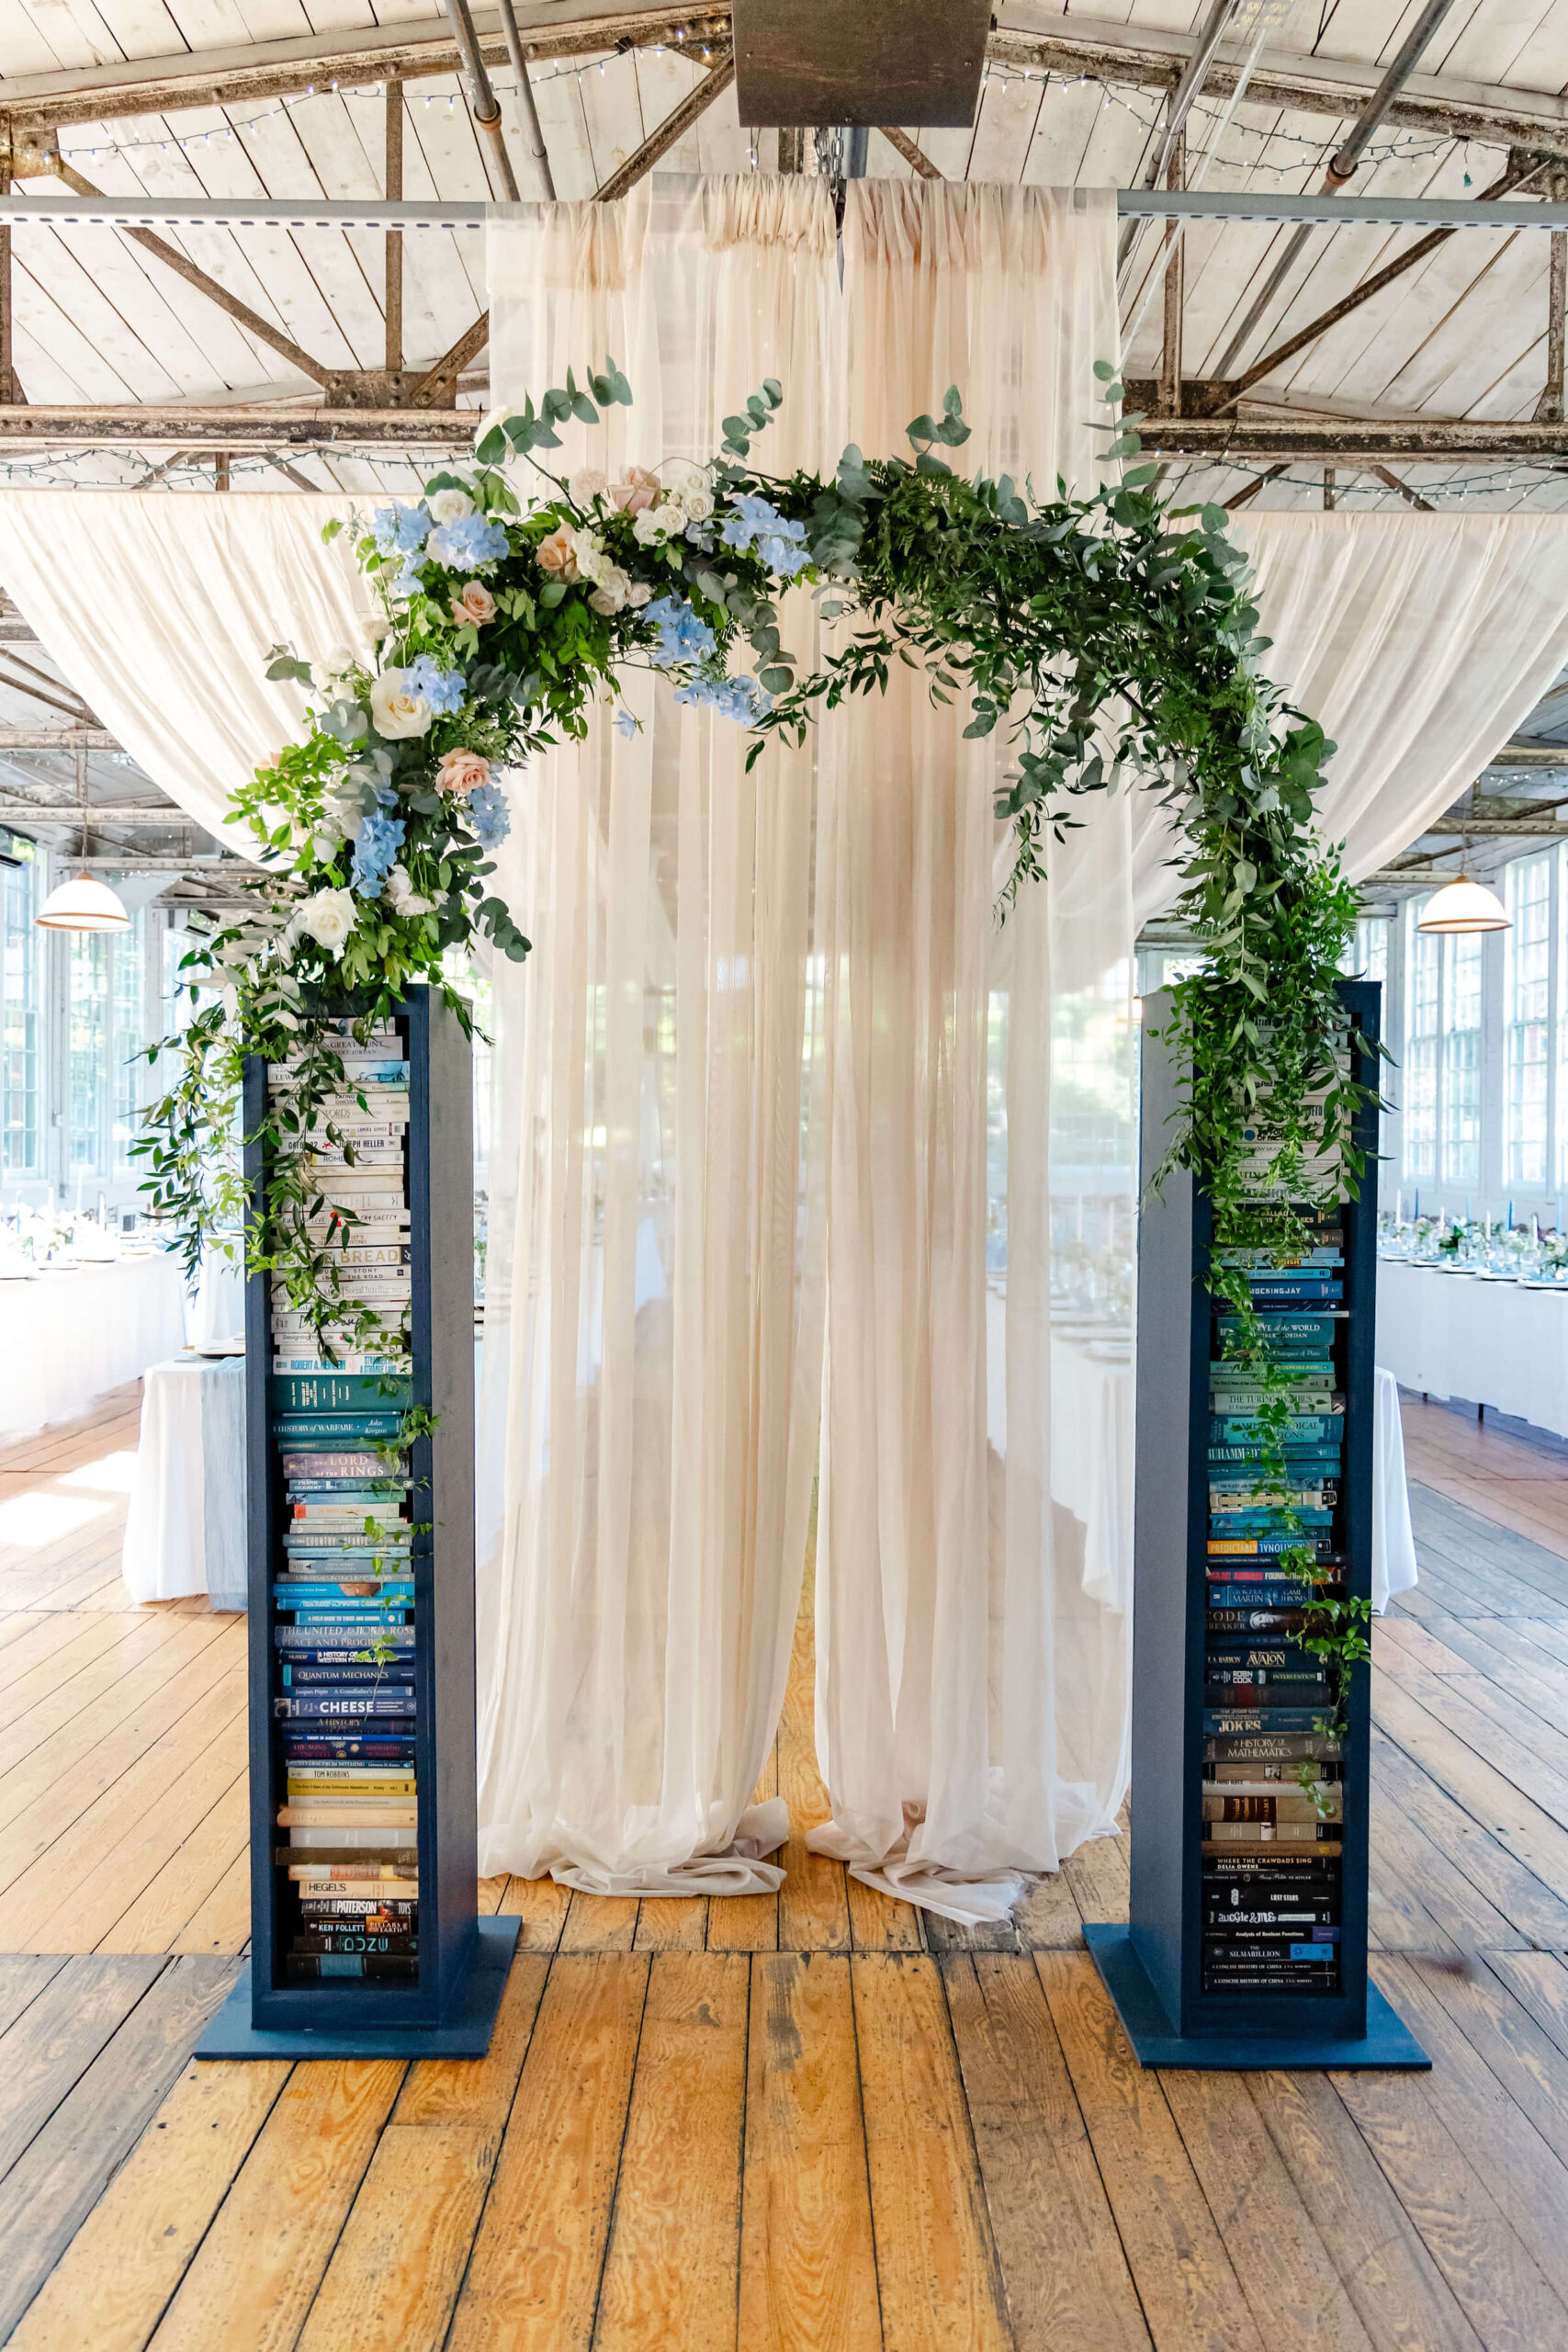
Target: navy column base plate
(1389,2040)
(463,2033)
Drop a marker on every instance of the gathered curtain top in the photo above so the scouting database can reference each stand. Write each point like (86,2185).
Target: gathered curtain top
(595,247)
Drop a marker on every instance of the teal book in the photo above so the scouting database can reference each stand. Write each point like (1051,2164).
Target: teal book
(302,1430)
(339,1391)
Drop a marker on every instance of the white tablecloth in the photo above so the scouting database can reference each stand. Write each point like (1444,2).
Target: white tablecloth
(185,1531)
(216,1312)
(1093,1438)
(67,1335)
(1393,1543)
(1489,1343)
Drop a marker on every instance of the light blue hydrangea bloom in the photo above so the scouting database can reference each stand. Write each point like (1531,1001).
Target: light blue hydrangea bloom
(682,634)
(442,689)
(739,698)
(755,523)
(375,851)
(488,814)
(625,724)
(470,543)
(400,530)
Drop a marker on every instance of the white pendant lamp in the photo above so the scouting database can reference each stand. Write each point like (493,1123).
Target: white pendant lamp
(82,904)
(1461,907)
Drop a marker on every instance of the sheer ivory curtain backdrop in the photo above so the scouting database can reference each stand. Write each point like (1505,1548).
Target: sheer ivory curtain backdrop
(654,1291)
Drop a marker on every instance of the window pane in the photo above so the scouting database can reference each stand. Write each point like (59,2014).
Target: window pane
(1462,1060)
(1422,963)
(1366,957)
(129,1035)
(21,1009)
(1527,1018)
(89,1046)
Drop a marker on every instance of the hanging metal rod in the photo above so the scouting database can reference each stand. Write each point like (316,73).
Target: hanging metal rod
(1132,204)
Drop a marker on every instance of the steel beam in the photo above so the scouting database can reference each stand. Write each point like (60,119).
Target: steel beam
(1413,439)
(1155,58)
(223,77)
(1133,204)
(69,812)
(57,739)
(248,425)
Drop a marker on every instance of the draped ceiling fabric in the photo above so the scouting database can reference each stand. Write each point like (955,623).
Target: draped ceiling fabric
(161,611)
(1419,642)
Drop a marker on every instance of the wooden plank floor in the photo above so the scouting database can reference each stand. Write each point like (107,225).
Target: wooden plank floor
(813,2121)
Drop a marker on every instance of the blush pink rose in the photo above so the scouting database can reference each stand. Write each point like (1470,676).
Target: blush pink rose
(476,604)
(639,492)
(462,770)
(557,556)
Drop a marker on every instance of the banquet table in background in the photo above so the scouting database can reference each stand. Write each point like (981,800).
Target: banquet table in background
(1487,1342)
(185,1530)
(70,1333)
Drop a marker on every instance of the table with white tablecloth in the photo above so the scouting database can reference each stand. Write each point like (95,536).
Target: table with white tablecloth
(1092,1439)
(185,1530)
(69,1334)
(1497,1343)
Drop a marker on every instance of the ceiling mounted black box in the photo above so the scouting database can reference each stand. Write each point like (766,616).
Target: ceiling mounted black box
(910,62)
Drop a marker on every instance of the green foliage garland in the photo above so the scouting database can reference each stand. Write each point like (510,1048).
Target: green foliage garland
(1111,639)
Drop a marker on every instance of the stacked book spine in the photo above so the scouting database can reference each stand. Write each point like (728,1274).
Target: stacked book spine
(345,1683)
(1272,1757)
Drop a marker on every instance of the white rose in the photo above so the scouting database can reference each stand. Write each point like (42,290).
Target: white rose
(669,518)
(401,896)
(612,592)
(592,563)
(638,594)
(586,485)
(394,712)
(328,918)
(683,475)
(450,505)
(648,529)
(372,628)
(696,505)
(338,664)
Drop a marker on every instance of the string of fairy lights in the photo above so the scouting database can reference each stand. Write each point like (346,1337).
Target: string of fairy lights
(1400,147)
(1473,485)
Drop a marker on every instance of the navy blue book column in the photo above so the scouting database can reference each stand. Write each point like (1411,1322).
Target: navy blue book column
(1190,1987)
(434,1993)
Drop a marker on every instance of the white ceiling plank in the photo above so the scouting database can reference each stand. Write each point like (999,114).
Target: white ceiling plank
(1491,45)
(611,111)
(564,124)
(263,266)
(284,151)
(723,145)
(1004,129)
(1069,112)
(63,312)
(45,376)
(40,42)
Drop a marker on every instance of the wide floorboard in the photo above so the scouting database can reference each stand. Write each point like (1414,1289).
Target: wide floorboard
(816,2121)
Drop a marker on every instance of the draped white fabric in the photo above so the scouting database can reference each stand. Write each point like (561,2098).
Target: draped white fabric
(653,1295)
(971,1693)
(161,611)
(1419,642)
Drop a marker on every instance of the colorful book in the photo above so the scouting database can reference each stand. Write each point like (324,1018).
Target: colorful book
(332,1392)
(1252,1723)
(313,1706)
(299,1432)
